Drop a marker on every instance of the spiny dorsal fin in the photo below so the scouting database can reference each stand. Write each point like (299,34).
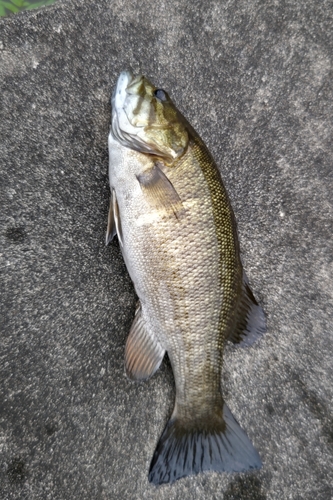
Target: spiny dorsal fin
(250,318)
(111,228)
(159,192)
(143,352)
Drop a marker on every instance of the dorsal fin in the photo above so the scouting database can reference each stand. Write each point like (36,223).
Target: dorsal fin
(250,318)
(143,352)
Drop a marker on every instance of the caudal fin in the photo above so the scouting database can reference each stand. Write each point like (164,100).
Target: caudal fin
(182,452)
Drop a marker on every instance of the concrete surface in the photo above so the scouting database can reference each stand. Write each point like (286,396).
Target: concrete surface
(255,80)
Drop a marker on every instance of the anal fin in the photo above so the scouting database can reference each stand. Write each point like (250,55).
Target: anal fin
(143,352)
(250,318)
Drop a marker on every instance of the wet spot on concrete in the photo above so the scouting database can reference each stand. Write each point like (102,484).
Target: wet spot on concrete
(270,409)
(245,488)
(16,234)
(316,406)
(51,428)
(16,470)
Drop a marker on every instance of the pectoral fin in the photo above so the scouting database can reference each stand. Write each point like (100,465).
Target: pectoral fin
(143,352)
(114,223)
(160,193)
(250,319)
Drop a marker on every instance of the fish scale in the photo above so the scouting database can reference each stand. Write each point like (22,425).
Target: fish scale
(205,379)
(178,236)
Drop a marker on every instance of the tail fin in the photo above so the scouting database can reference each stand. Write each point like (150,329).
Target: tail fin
(182,452)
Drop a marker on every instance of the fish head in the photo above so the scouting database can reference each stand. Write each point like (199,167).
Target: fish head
(145,119)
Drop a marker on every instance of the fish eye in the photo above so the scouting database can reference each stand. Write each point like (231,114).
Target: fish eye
(160,95)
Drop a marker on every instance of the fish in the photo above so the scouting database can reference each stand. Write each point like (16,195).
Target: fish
(178,237)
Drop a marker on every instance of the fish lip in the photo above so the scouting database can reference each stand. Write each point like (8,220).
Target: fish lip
(125,80)
(119,94)
(117,104)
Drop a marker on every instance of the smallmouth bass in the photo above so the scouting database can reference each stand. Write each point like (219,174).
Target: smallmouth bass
(178,237)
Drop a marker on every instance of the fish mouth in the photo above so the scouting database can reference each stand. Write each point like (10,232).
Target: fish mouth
(124,99)
(119,94)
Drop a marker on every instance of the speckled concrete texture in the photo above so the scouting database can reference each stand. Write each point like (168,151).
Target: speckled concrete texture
(255,79)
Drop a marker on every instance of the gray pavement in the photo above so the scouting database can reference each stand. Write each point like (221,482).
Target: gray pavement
(255,79)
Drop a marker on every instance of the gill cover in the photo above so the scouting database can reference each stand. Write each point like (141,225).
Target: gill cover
(145,119)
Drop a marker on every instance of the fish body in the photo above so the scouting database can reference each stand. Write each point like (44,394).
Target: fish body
(178,237)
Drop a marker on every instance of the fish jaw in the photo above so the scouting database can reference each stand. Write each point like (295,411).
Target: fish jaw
(121,127)
(119,93)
